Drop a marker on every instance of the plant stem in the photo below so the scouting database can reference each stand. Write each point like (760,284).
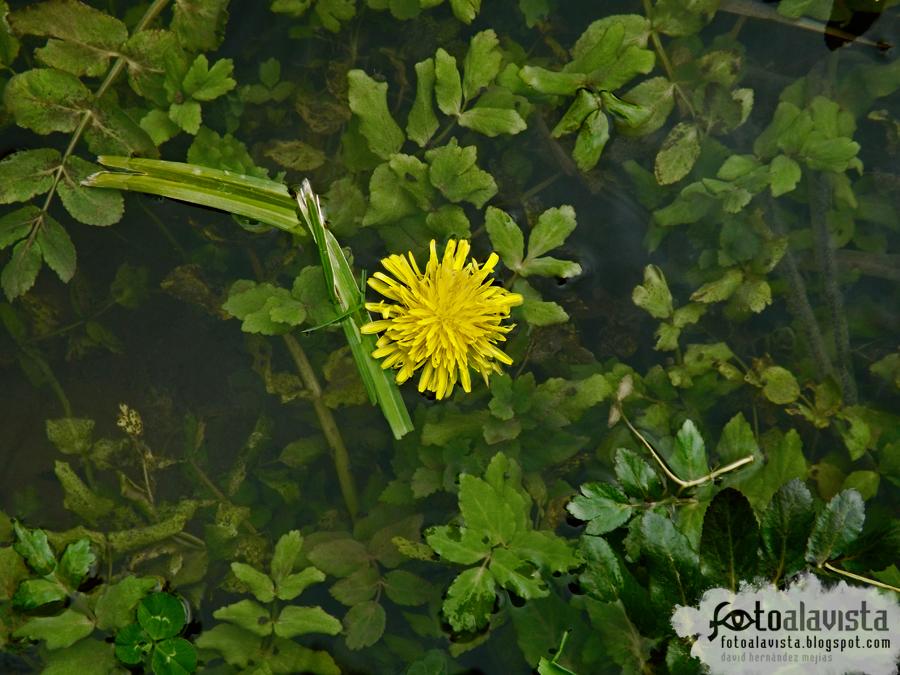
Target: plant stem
(858,577)
(684,104)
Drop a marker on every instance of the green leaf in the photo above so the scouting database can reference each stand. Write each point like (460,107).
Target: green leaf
(550,267)
(688,459)
(785,528)
(162,615)
(482,63)
(602,505)
(186,115)
(115,606)
(406,588)
(33,593)
(678,154)
(542,313)
(364,624)
(27,173)
(737,440)
(247,614)
(79,498)
(295,621)
(236,645)
(294,584)
(264,308)
(470,599)
(360,586)
(34,547)
(492,121)
(553,82)
(62,630)
(113,131)
(447,86)
(259,584)
(591,140)
(131,644)
(70,435)
(656,97)
(422,122)
(203,83)
(584,104)
(174,656)
(46,100)
(76,562)
(602,576)
(17,224)
(464,10)
(71,21)
(638,478)
(200,24)
(332,12)
(85,656)
(285,555)
(620,639)
(484,510)
(454,172)
(729,540)
(9,45)
(92,206)
(836,527)
(340,557)
(368,101)
(57,249)
(295,155)
(654,295)
(506,237)
(553,228)
(779,385)
(784,174)
(515,574)
(674,566)
(864,482)
(720,289)
(464,546)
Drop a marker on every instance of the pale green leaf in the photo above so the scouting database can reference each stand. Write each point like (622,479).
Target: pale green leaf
(295,621)
(368,101)
(679,151)
(492,121)
(422,122)
(93,206)
(260,584)
(482,63)
(247,614)
(203,83)
(470,599)
(62,630)
(447,86)
(653,295)
(506,237)
(27,173)
(551,231)
(46,100)
(453,171)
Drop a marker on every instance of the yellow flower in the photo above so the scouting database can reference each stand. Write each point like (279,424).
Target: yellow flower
(444,321)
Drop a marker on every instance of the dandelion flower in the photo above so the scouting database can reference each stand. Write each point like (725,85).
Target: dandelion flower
(442,322)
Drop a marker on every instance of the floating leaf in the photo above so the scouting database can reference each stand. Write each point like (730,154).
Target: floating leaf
(262,587)
(368,101)
(447,86)
(295,621)
(603,506)
(46,100)
(116,604)
(75,562)
(62,630)
(162,615)
(295,155)
(482,63)
(364,624)
(729,540)
(174,656)
(492,121)
(678,154)
(779,385)
(591,140)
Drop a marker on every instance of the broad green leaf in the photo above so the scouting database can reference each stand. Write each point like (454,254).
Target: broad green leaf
(422,122)
(621,641)
(113,131)
(553,82)
(200,24)
(453,171)
(264,308)
(656,97)
(551,231)
(92,206)
(364,624)
(638,478)
(115,606)
(247,614)
(492,121)
(368,101)
(122,541)
(547,266)
(603,506)
(70,435)
(130,643)
(57,248)
(406,588)
(464,547)
(653,295)
(27,173)
(591,140)
(360,586)
(12,571)
(470,599)
(46,100)
(836,527)
(486,511)
(447,86)
(34,593)
(295,621)
(784,462)
(340,557)
(545,550)
(85,656)
(187,116)
(203,83)
(33,546)
(688,458)
(785,528)
(674,566)
(449,221)
(236,645)
(162,615)
(602,576)
(76,561)
(295,155)
(584,104)
(79,498)
(720,289)
(506,237)
(729,540)
(333,12)
(864,482)
(285,555)
(779,385)
(543,313)
(516,574)
(482,63)
(259,584)
(737,440)
(173,656)
(9,45)
(678,154)
(464,10)
(631,62)
(62,630)
(17,224)
(71,21)
(784,174)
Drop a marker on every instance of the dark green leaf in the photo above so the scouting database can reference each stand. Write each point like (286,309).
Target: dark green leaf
(174,656)
(17,224)
(340,557)
(46,100)
(200,24)
(836,527)
(115,606)
(688,459)
(26,174)
(62,630)
(729,540)
(603,506)
(34,547)
(34,593)
(638,478)
(368,101)
(591,140)
(162,615)
(132,643)
(674,566)
(406,588)
(360,586)
(57,248)
(295,621)
(76,562)
(364,624)
(786,525)
(22,269)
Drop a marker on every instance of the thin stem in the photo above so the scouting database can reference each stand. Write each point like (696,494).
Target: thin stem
(212,487)
(671,475)
(858,577)
(684,104)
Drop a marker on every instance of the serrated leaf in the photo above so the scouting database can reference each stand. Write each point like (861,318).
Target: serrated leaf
(364,624)
(492,121)
(460,546)
(368,101)
(46,100)
(678,154)
(784,174)
(688,458)
(295,621)
(656,97)
(92,206)
(603,506)
(422,122)
(72,21)
(33,546)
(506,237)
(264,308)
(407,589)
(551,231)
(285,555)
(453,171)
(729,540)
(602,576)
(294,584)
(247,614)
(203,83)
(27,173)
(517,575)
(486,511)
(340,557)
(360,586)
(482,63)
(187,116)
(620,639)
(34,593)
(200,24)
(57,248)
(57,631)
(785,528)
(638,478)
(470,599)
(21,270)
(159,126)
(17,224)
(720,289)
(447,86)
(653,295)
(836,527)
(779,385)
(112,131)
(116,604)
(464,10)
(76,562)
(674,566)
(262,587)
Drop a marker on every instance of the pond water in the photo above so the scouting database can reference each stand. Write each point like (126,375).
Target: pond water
(729,292)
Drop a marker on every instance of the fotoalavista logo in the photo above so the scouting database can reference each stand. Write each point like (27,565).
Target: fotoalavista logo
(800,619)
(805,628)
